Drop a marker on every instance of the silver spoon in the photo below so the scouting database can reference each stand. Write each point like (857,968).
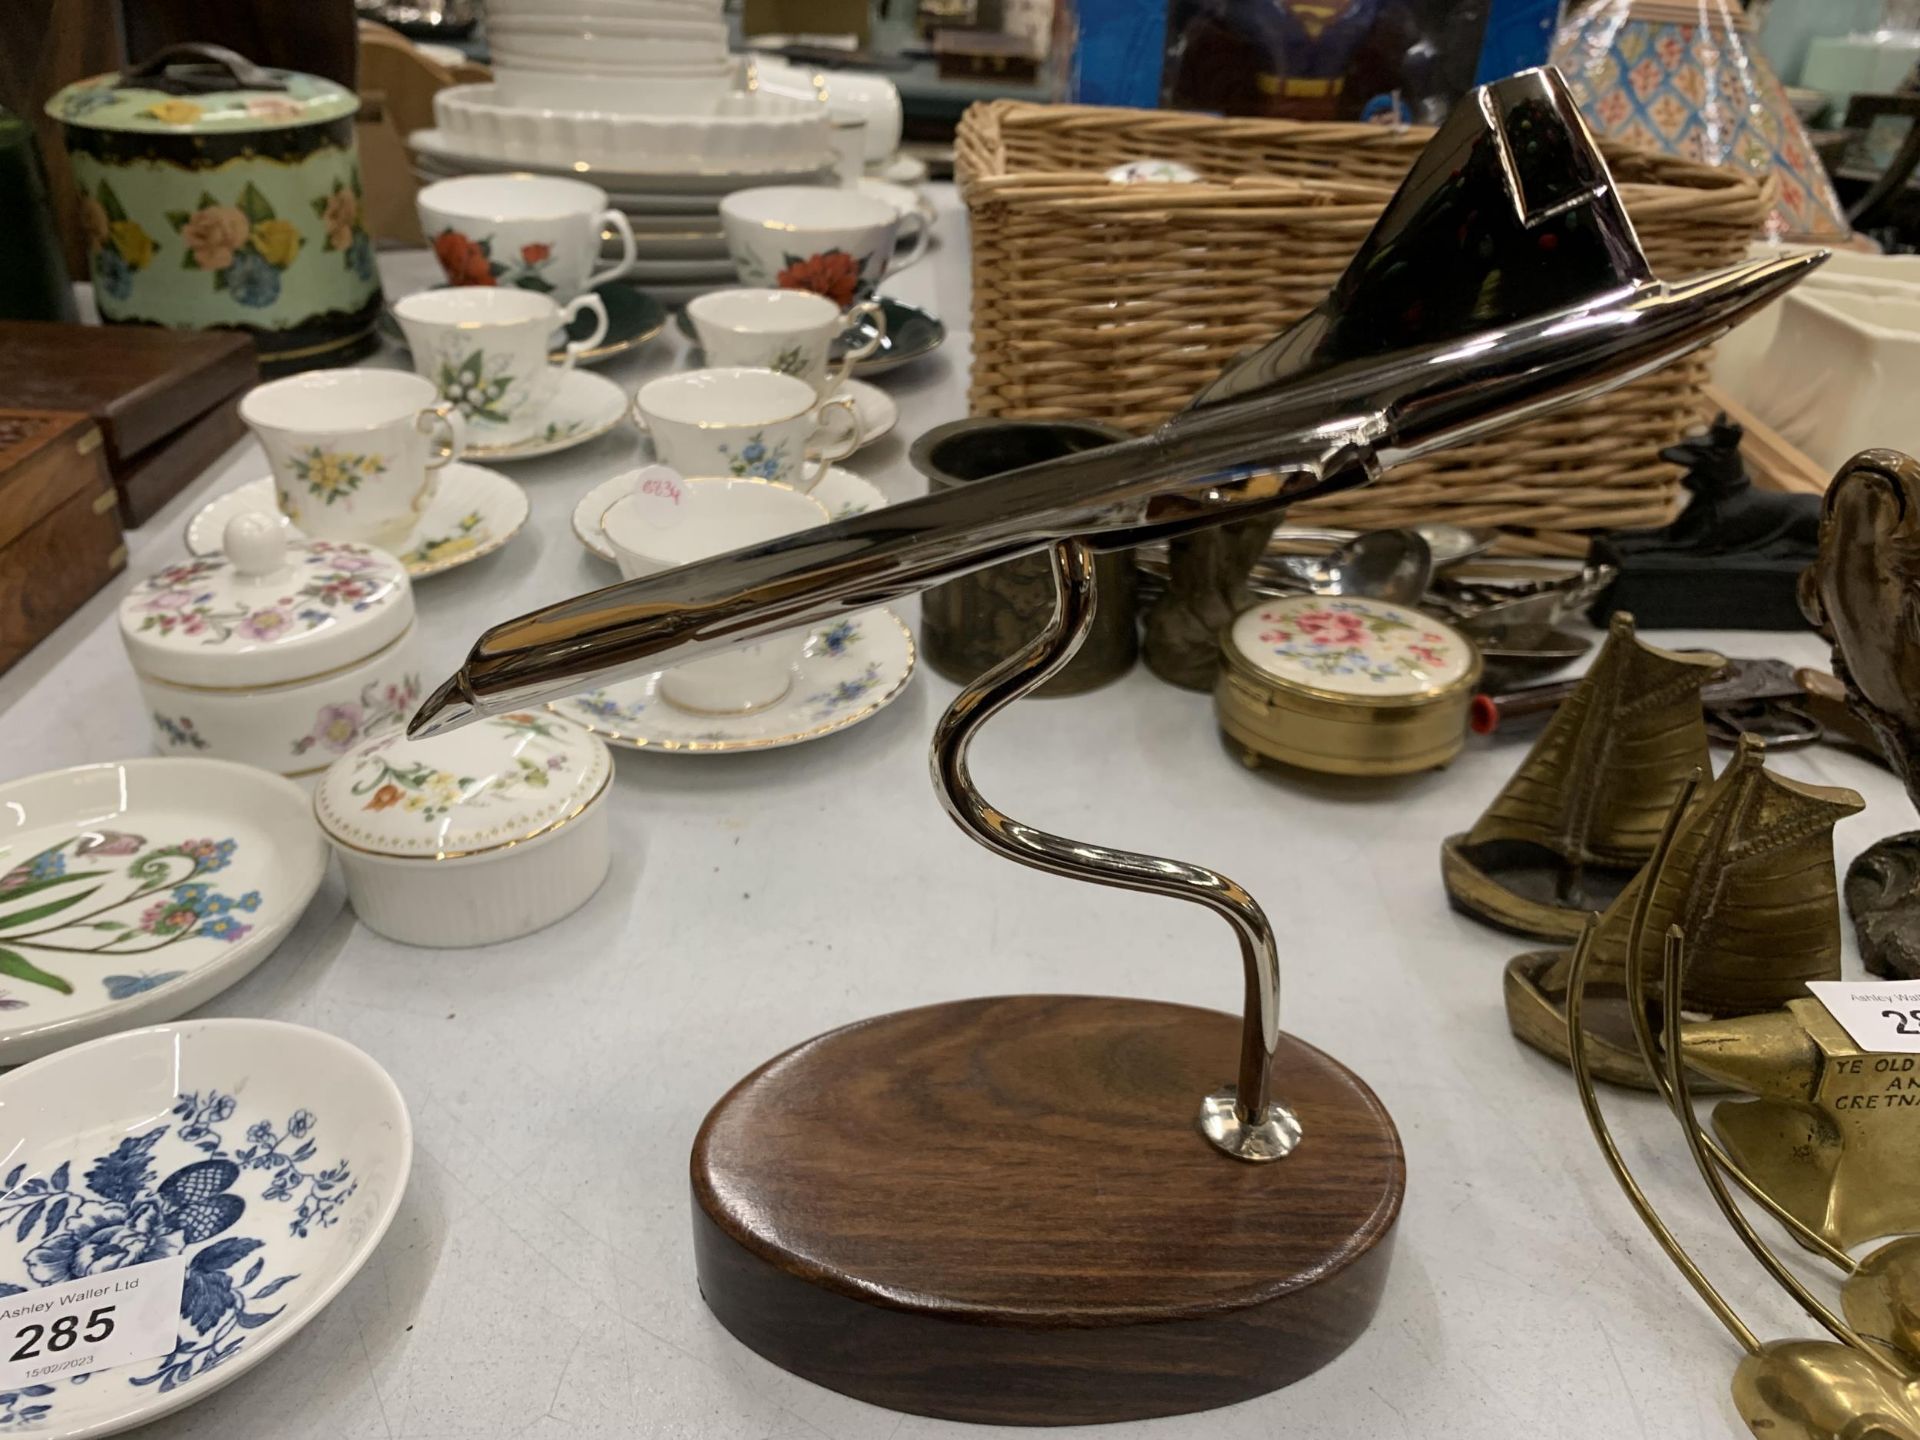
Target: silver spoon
(1393,565)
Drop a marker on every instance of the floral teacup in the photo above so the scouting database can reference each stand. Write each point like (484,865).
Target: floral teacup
(354,451)
(745,422)
(836,243)
(667,521)
(535,232)
(791,331)
(486,350)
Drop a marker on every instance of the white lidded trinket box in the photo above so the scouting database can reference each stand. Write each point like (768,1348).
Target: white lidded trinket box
(470,838)
(279,652)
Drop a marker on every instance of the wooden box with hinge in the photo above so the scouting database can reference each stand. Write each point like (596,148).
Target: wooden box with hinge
(59,536)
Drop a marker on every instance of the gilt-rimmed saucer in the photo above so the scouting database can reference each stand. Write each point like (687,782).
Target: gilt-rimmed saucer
(840,490)
(268,1159)
(585,407)
(878,411)
(474,511)
(131,892)
(849,671)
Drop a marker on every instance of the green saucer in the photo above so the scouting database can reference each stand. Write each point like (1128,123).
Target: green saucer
(633,318)
(911,333)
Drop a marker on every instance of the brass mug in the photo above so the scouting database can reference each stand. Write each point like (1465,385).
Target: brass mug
(969,625)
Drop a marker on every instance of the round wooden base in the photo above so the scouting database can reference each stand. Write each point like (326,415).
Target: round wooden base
(1003,1211)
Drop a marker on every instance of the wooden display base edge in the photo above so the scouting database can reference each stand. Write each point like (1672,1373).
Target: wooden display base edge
(1006,1367)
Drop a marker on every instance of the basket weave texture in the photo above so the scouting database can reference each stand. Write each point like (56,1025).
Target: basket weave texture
(1098,301)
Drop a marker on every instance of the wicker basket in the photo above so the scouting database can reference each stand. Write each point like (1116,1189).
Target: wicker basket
(1096,301)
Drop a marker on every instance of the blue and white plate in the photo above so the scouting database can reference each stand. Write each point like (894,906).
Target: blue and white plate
(271,1156)
(849,671)
(132,892)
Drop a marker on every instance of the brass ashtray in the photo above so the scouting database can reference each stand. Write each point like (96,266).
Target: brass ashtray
(1346,686)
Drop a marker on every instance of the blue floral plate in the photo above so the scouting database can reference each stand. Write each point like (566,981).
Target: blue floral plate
(849,671)
(132,892)
(272,1157)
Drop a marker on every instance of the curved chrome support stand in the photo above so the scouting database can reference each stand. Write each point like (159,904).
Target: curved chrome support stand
(1243,1120)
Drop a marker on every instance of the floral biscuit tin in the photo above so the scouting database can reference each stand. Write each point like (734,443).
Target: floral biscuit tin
(277,653)
(1345,685)
(471,838)
(215,193)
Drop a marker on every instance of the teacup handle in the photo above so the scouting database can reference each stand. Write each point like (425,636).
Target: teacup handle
(625,231)
(913,227)
(871,311)
(436,422)
(576,348)
(834,451)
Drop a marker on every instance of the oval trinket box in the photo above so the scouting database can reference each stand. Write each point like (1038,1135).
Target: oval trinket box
(474,837)
(278,653)
(1345,685)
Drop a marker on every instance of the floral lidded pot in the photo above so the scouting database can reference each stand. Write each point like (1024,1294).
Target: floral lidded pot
(278,653)
(481,835)
(1345,685)
(218,194)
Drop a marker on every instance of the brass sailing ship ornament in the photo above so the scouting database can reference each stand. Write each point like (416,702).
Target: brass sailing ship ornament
(1580,816)
(1750,877)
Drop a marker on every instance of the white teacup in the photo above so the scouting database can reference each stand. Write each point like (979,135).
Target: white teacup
(836,243)
(534,232)
(667,522)
(790,331)
(487,352)
(745,422)
(354,451)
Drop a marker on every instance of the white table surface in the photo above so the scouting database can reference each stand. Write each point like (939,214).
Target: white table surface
(539,1278)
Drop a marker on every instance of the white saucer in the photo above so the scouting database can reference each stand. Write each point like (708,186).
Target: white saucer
(473,513)
(851,670)
(154,885)
(586,407)
(899,169)
(877,410)
(840,490)
(904,199)
(271,1157)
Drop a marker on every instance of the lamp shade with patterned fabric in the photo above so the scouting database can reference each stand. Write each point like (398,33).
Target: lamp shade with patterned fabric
(1681,77)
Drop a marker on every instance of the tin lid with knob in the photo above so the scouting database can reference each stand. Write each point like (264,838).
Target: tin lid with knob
(203,90)
(269,610)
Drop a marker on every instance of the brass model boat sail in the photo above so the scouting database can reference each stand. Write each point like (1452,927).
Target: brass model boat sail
(1750,880)
(1584,810)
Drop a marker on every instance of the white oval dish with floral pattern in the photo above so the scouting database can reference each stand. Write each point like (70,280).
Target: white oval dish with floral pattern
(849,672)
(280,652)
(481,835)
(270,1156)
(132,892)
(473,512)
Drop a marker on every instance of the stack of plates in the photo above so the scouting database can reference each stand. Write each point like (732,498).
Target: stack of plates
(667,172)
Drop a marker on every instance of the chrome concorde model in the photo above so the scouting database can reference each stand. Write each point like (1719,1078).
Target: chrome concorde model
(1504,280)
